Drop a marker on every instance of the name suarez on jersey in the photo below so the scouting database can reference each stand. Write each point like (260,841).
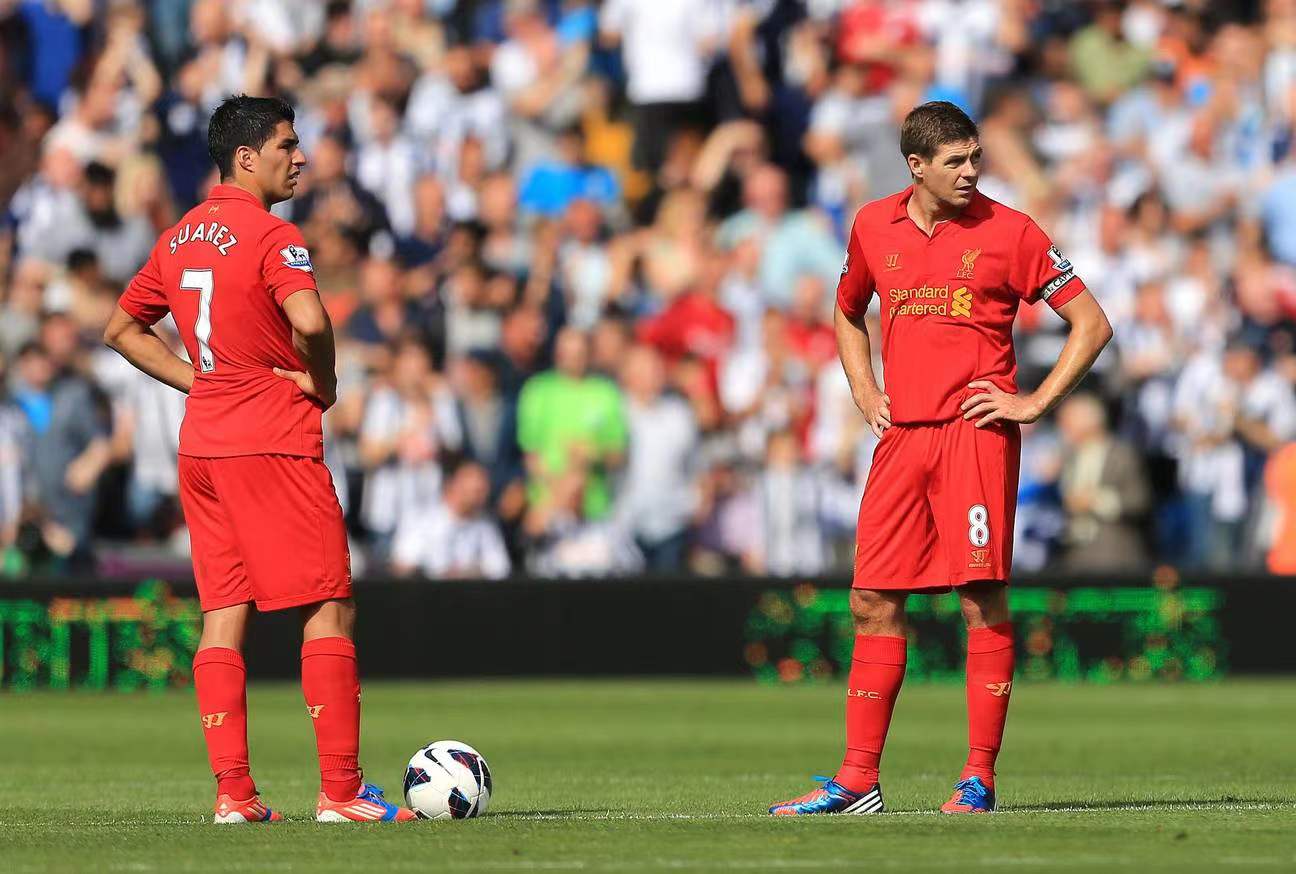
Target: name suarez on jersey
(214,233)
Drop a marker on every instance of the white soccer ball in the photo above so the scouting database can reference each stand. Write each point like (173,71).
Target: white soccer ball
(447,780)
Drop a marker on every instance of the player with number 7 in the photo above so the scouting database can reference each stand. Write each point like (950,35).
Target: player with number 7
(264,521)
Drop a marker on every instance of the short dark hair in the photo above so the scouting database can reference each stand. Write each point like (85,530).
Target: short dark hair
(243,121)
(81,259)
(928,127)
(99,174)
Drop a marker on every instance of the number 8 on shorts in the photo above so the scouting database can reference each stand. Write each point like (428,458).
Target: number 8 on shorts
(978,525)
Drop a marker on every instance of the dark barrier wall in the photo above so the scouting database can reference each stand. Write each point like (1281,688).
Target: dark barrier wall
(89,633)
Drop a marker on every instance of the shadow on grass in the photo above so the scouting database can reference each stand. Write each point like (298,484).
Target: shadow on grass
(565,813)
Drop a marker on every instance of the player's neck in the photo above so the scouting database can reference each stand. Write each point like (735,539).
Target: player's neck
(927,211)
(250,187)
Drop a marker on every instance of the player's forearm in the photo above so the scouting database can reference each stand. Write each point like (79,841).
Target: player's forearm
(319,357)
(1082,348)
(147,351)
(856,354)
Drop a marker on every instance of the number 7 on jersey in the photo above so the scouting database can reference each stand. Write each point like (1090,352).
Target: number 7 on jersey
(202,281)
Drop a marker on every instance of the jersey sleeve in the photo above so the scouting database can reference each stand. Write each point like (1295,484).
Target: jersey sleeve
(285,263)
(1041,272)
(855,287)
(145,298)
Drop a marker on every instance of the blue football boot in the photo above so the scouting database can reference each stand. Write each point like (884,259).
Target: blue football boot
(831,797)
(970,796)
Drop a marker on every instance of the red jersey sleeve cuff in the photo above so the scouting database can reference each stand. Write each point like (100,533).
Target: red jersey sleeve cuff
(851,310)
(140,313)
(1066,293)
(283,294)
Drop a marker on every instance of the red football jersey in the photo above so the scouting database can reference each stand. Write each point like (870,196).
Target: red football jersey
(224,271)
(948,301)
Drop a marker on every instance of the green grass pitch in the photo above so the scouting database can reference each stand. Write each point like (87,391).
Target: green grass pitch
(669,776)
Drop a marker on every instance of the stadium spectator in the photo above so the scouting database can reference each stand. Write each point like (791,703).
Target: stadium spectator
(571,422)
(1105,62)
(388,163)
(453,104)
(409,422)
(789,537)
(146,433)
(57,28)
(1211,462)
(658,493)
(551,185)
(765,389)
(584,263)
(521,349)
(23,305)
(563,542)
(453,537)
(537,71)
(428,237)
(386,314)
(791,243)
(488,422)
(666,46)
(69,450)
(120,244)
(1104,491)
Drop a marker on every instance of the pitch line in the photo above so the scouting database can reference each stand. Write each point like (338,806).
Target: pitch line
(629,816)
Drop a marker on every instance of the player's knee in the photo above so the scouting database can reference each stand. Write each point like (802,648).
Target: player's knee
(877,612)
(225,627)
(334,618)
(984,603)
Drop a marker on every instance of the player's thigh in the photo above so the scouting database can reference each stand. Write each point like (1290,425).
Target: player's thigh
(975,499)
(895,538)
(217,560)
(289,527)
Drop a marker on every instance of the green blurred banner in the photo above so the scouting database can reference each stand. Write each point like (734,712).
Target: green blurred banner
(146,639)
(97,634)
(1094,634)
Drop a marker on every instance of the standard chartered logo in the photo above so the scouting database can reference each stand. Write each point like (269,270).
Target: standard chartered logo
(930,300)
(961,304)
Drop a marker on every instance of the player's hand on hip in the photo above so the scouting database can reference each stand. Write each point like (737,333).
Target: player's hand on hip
(876,407)
(306,383)
(993,404)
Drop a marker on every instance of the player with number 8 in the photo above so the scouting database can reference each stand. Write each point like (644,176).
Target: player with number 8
(950,267)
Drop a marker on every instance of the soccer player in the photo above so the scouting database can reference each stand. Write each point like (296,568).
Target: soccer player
(950,267)
(264,519)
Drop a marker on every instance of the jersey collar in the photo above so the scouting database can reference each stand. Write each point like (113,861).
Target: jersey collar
(233,192)
(977,208)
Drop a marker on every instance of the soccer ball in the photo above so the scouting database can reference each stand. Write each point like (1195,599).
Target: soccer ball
(447,780)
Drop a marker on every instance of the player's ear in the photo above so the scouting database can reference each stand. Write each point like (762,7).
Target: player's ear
(245,157)
(915,165)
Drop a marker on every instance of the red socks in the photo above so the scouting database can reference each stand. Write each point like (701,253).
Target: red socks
(877,670)
(331,684)
(220,680)
(989,686)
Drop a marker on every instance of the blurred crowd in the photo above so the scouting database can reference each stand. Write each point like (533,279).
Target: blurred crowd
(581,260)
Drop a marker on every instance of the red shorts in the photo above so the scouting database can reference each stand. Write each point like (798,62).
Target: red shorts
(938,507)
(264,528)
